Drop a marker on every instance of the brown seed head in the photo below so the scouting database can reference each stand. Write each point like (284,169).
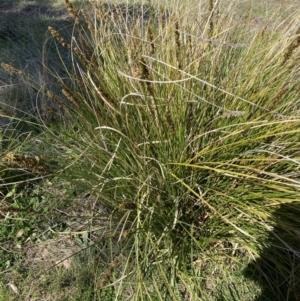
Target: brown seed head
(58,37)
(12,69)
(292,47)
(72,11)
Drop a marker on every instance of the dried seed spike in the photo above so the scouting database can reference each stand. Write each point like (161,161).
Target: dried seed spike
(88,22)
(118,12)
(95,9)
(150,38)
(127,206)
(170,122)
(162,16)
(295,44)
(81,57)
(102,6)
(35,164)
(277,99)
(9,157)
(177,34)
(50,112)
(188,45)
(109,272)
(178,44)
(85,46)
(145,74)
(80,81)
(211,13)
(135,72)
(55,99)
(12,69)
(92,3)
(58,37)
(101,12)
(106,97)
(69,95)
(72,11)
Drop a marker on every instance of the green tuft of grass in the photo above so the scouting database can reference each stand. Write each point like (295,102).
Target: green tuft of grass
(182,126)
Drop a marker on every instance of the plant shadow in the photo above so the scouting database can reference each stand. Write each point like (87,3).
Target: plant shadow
(277,270)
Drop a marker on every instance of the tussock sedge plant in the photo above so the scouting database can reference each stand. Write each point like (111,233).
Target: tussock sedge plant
(184,125)
(188,132)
